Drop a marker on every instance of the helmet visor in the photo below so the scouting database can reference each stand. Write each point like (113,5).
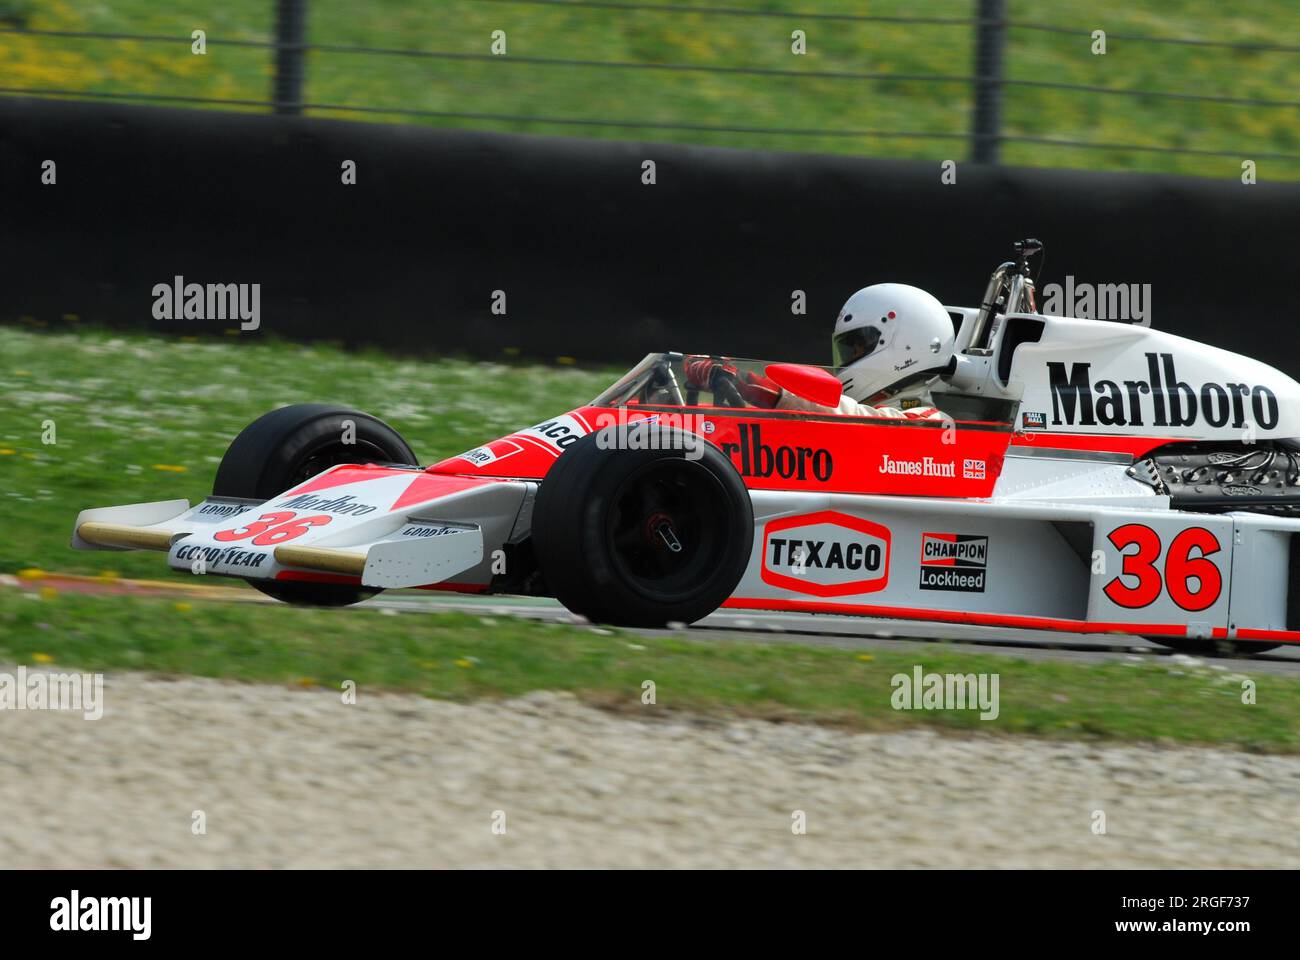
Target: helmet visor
(854,345)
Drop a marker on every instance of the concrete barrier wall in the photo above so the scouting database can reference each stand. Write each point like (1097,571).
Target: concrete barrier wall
(594,263)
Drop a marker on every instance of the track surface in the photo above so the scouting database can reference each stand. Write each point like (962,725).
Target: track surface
(745,626)
(859,632)
(289,777)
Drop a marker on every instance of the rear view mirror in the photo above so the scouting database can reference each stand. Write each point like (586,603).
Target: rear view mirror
(808,383)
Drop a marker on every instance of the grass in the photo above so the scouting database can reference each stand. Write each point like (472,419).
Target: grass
(509,87)
(463,656)
(138,418)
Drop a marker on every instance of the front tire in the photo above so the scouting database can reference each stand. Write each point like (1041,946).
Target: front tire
(639,537)
(286,447)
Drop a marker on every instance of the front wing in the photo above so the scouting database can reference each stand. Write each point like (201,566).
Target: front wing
(382,527)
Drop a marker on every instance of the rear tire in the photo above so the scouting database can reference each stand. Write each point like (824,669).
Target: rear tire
(285,447)
(642,538)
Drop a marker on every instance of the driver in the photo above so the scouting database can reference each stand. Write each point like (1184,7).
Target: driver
(890,343)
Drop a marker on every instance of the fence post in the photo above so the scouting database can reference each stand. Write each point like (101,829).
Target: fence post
(990,35)
(290,35)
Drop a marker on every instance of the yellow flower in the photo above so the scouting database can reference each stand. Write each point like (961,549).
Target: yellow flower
(31,573)
(170,468)
(48,593)
(7,452)
(462,662)
(865,657)
(109,575)
(182,607)
(42,658)
(306,682)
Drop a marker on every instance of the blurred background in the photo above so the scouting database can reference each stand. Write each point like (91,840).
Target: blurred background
(1184,86)
(501,145)
(784,181)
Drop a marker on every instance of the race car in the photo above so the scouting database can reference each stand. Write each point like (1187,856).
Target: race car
(1087,477)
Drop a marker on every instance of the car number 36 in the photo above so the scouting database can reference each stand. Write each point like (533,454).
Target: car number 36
(273,528)
(1140,583)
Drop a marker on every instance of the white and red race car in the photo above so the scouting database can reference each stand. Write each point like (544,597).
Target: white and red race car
(1092,477)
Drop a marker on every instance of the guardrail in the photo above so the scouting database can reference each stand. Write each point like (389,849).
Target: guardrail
(987,85)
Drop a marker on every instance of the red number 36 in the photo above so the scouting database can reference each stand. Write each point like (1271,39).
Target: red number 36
(1181,568)
(272,528)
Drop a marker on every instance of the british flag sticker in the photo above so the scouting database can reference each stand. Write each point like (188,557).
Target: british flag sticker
(972,469)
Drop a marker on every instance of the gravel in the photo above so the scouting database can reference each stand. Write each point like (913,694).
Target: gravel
(289,777)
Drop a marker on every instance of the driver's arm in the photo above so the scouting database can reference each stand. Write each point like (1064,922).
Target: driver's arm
(704,373)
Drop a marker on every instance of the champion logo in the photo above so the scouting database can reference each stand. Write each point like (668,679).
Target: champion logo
(954,561)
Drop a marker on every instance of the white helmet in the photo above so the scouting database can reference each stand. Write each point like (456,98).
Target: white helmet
(888,336)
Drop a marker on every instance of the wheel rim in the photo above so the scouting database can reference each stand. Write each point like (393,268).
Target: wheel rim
(317,460)
(666,529)
(331,454)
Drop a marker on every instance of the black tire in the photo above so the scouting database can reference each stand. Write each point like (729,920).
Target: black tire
(606,516)
(283,448)
(1213,648)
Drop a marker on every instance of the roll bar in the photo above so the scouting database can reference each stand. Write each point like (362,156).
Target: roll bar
(1010,290)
